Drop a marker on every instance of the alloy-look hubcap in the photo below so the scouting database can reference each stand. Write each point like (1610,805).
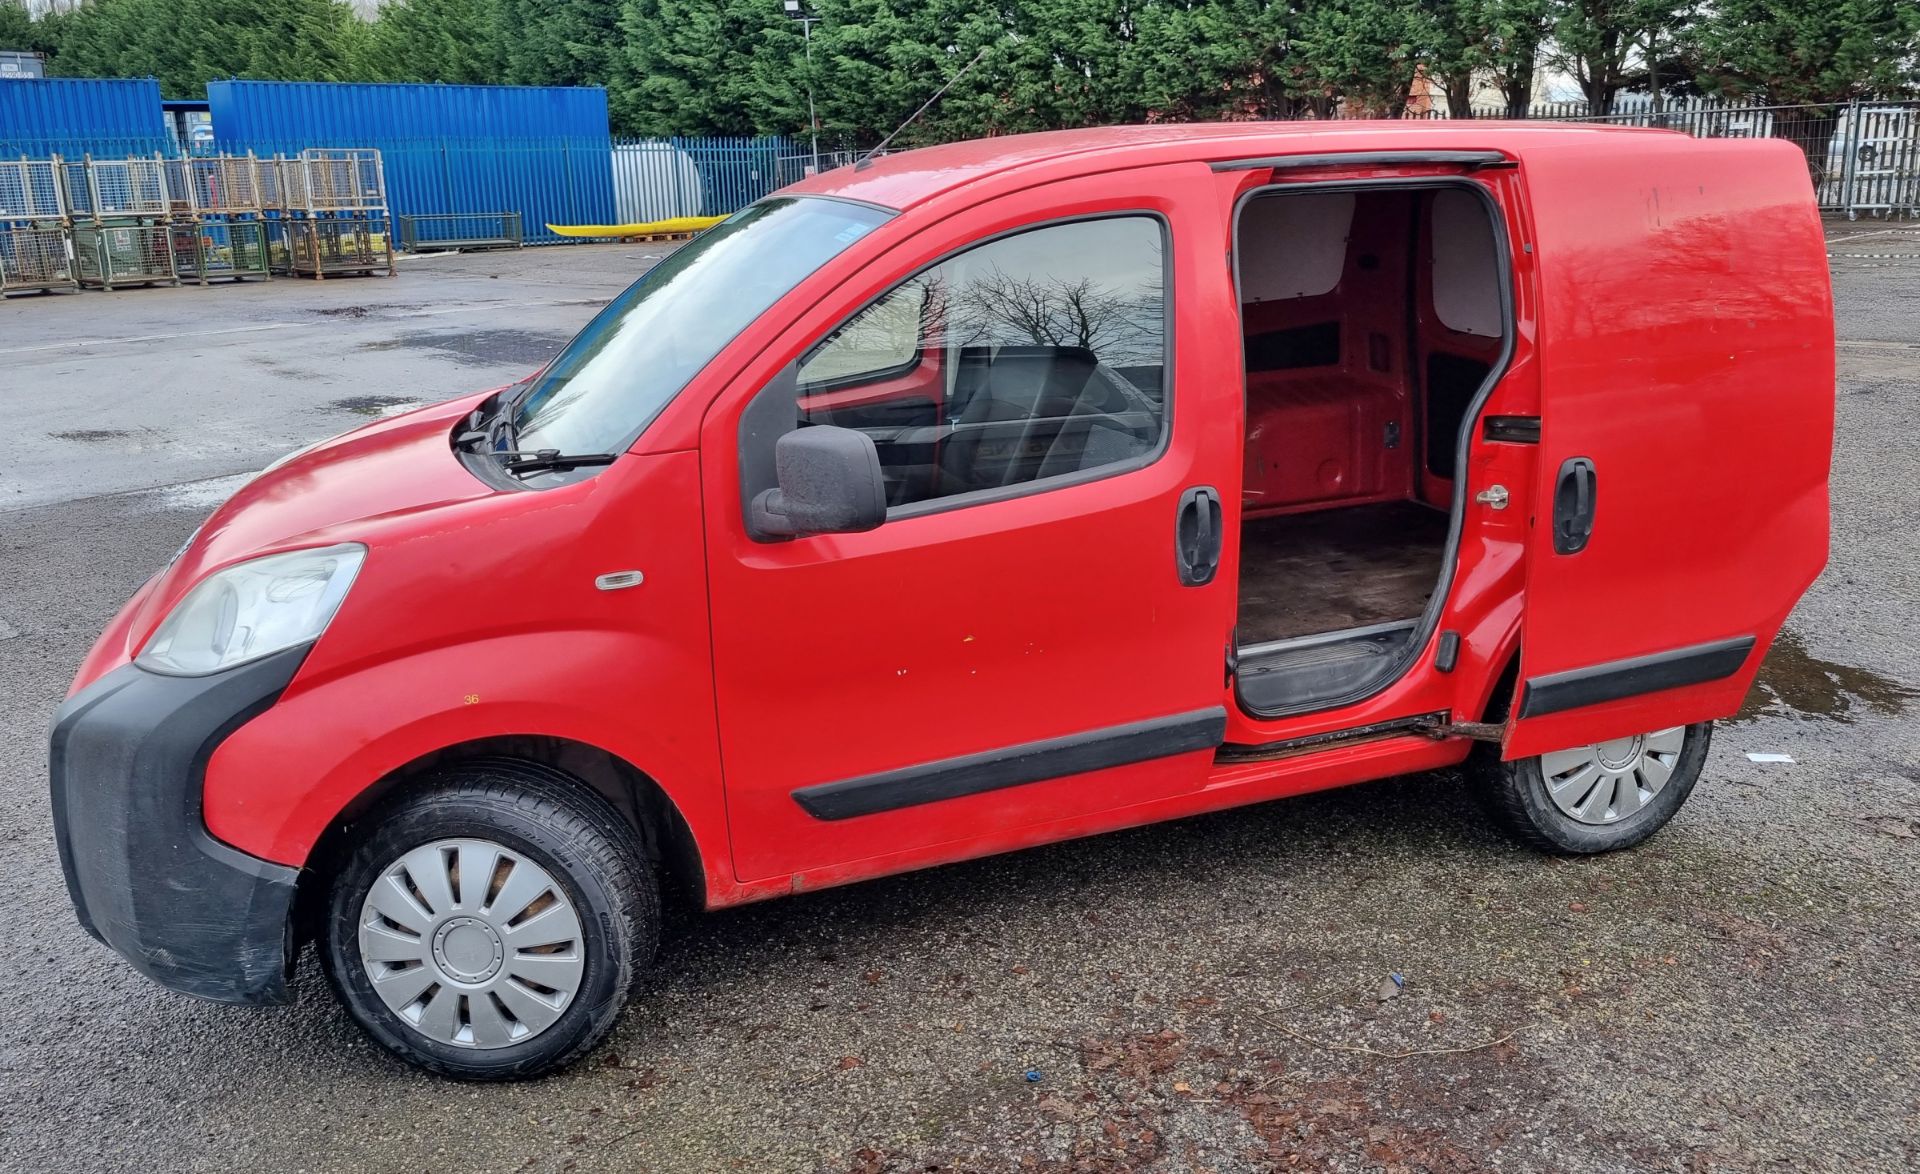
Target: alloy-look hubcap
(1609,781)
(471,944)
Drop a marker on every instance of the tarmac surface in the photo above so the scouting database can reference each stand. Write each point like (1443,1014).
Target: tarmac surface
(1737,994)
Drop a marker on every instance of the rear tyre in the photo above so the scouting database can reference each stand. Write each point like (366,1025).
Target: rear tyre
(1598,798)
(491,925)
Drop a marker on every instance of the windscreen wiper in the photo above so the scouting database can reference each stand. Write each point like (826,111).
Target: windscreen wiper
(551,458)
(492,428)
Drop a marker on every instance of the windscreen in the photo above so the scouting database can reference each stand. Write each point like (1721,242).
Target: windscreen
(636,355)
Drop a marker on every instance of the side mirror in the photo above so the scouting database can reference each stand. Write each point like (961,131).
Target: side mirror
(829,483)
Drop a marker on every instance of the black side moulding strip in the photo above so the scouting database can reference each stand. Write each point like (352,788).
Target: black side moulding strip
(1029,762)
(1558,692)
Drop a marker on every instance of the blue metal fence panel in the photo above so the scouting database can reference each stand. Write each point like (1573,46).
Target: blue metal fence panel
(655,179)
(104,115)
(543,152)
(735,171)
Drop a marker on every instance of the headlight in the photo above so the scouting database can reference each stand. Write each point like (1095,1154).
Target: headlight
(252,610)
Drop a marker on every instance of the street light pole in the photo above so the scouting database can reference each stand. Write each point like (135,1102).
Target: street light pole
(796,10)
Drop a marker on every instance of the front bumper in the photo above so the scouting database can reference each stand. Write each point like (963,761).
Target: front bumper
(128,767)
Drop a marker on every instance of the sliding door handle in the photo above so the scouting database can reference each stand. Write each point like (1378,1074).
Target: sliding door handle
(1197,535)
(1574,495)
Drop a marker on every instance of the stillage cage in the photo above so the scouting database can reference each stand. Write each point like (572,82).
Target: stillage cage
(34,249)
(333,246)
(217,228)
(35,257)
(206,250)
(110,256)
(326,180)
(103,189)
(30,190)
(461,232)
(217,184)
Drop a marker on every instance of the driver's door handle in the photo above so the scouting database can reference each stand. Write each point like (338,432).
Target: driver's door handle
(1197,535)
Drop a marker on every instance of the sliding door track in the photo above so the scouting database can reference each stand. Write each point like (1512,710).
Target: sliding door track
(1437,725)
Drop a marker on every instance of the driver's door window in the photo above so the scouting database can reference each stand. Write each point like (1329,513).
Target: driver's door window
(1034,356)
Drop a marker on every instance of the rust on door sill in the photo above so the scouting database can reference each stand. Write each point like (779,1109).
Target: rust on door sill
(1421,724)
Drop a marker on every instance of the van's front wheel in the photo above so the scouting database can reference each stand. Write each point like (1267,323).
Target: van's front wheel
(1596,798)
(490,925)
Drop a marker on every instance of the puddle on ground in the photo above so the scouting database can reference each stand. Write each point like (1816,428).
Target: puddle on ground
(358,311)
(1794,680)
(376,405)
(481,348)
(93,435)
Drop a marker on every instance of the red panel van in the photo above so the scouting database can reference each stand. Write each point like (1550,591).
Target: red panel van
(974,498)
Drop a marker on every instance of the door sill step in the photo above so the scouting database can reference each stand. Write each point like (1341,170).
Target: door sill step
(1428,725)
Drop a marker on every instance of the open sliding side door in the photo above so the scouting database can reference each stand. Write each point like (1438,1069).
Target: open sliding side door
(1687,391)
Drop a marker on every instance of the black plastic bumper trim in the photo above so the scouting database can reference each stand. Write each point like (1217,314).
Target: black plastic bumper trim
(1616,679)
(128,764)
(1029,762)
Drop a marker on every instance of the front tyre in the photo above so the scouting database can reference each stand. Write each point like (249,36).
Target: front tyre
(1597,798)
(490,925)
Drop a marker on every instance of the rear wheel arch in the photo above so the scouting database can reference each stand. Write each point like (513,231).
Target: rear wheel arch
(665,838)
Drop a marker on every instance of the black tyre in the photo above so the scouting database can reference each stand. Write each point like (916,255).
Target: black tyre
(491,924)
(1598,798)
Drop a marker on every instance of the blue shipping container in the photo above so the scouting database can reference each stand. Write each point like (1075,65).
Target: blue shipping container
(543,152)
(74,115)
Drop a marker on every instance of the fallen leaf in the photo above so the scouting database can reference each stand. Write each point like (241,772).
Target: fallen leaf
(1053,1106)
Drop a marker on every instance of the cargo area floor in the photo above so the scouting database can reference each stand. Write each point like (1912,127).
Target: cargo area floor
(1342,568)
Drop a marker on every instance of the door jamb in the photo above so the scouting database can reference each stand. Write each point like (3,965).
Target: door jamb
(1429,620)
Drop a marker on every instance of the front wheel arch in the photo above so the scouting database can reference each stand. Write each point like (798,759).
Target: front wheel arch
(665,838)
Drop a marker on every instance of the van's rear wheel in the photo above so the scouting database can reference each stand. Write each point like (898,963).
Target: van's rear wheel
(1596,798)
(490,925)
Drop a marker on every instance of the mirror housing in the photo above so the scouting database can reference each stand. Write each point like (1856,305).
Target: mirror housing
(829,483)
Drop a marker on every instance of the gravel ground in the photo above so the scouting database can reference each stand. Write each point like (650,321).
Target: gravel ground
(1735,995)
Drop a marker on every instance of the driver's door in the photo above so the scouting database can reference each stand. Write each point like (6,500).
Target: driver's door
(1014,646)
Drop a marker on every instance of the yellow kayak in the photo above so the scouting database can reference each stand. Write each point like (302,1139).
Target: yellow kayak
(649,228)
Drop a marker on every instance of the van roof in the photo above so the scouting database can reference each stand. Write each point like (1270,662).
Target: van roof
(912,177)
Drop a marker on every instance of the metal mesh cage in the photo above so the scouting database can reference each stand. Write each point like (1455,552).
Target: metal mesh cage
(219,183)
(107,255)
(30,190)
(268,185)
(34,257)
(334,181)
(207,250)
(118,187)
(350,244)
